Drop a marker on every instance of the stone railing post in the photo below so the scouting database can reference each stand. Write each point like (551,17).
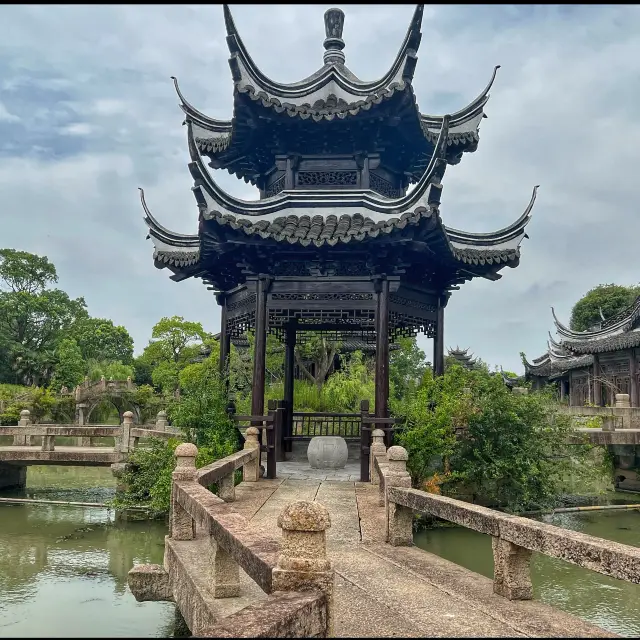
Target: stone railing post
(25,421)
(251,470)
(511,573)
(378,448)
(303,564)
(399,518)
(125,437)
(161,421)
(48,442)
(227,487)
(181,524)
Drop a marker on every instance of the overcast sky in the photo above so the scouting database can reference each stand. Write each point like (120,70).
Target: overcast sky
(88,114)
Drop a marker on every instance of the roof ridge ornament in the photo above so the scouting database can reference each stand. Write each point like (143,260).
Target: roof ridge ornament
(334,44)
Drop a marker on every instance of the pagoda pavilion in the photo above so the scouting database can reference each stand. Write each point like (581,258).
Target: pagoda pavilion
(463,357)
(347,237)
(591,367)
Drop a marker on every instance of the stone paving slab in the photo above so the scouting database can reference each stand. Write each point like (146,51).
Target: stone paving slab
(303,471)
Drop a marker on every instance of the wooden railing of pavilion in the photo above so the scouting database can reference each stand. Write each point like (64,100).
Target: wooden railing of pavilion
(280,431)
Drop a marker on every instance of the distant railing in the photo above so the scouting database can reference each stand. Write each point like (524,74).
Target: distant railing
(209,542)
(612,417)
(126,435)
(310,425)
(514,537)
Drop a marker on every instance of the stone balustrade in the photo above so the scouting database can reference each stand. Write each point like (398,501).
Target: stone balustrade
(126,435)
(514,537)
(621,416)
(293,571)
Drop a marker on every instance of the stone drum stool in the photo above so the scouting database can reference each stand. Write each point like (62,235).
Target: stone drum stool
(327,452)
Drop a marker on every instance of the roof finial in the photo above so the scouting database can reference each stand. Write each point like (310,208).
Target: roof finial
(334,44)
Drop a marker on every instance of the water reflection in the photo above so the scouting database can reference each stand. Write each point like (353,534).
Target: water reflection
(609,603)
(63,570)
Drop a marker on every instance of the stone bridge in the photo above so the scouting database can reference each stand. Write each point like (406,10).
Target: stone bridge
(305,555)
(35,444)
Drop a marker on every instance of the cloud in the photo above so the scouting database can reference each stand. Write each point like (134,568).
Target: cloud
(88,114)
(5,116)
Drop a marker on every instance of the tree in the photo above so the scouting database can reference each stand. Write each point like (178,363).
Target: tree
(407,365)
(99,339)
(31,325)
(70,367)
(174,343)
(32,318)
(608,299)
(22,272)
(319,350)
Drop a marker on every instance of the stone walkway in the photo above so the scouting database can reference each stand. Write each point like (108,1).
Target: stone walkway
(384,591)
(303,471)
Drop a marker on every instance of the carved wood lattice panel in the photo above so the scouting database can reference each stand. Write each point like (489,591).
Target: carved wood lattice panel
(327,178)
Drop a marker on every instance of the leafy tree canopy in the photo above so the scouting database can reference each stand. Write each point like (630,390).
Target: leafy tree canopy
(70,367)
(99,339)
(610,298)
(175,343)
(22,272)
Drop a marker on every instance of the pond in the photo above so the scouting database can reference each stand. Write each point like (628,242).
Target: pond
(63,570)
(609,603)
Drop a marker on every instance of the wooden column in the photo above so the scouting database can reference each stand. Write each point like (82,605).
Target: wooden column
(289,367)
(259,349)
(382,349)
(438,342)
(633,379)
(597,385)
(225,340)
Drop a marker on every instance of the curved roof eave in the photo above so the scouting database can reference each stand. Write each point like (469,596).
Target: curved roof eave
(246,72)
(164,235)
(508,237)
(473,111)
(622,325)
(213,200)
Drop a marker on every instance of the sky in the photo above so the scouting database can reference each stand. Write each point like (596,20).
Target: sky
(88,114)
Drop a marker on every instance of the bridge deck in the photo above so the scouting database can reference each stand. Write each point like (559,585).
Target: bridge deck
(384,591)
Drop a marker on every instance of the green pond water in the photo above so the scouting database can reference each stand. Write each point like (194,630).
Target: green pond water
(63,570)
(609,603)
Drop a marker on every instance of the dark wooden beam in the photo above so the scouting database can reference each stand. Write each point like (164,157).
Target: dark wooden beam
(225,341)
(438,341)
(597,385)
(289,365)
(382,349)
(633,376)
(260,348)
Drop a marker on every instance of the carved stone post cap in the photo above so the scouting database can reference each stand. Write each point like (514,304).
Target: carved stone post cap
(252,431)
(25,413)
(397,453)
(304,516)
(127,416)
(162,413)
(186,450)
(377,433)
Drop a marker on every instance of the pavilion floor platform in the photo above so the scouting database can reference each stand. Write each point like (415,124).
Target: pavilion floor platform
(301,470)
(384,591)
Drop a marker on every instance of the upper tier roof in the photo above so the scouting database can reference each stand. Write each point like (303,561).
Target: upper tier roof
(264,109)
(621,331)
(317,218)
